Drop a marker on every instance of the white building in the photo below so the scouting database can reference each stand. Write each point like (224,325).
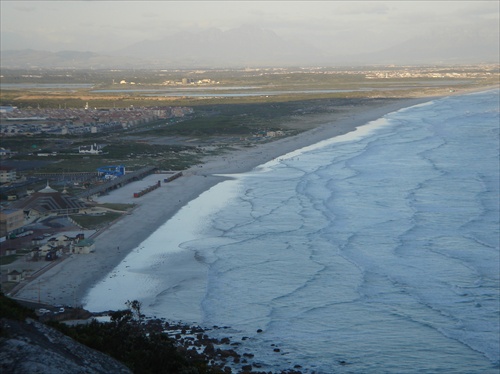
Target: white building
(7,174)
(93,149)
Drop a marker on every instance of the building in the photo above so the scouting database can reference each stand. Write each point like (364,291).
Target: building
(63,240)
(84,246)
(7,109)
(49,201)
(15,275)
(92,149)
(11,221)
(7,174)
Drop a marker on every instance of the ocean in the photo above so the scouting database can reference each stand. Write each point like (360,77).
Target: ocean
(372,252)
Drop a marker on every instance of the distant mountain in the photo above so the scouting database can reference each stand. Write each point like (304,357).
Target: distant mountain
(243,46)
(249,46)
(29,58)
(437,48)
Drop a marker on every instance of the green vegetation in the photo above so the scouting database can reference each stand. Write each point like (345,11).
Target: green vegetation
(131,153)
(210,123)
(5,260)
(93,222)
(239,119)
(117,206)
(99,220)
(127,342)
(11,309)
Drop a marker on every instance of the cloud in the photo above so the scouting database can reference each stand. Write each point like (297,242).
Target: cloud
(479,9)
(356,8)
(24,8)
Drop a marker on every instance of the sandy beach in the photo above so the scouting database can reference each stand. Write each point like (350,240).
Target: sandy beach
(68,282)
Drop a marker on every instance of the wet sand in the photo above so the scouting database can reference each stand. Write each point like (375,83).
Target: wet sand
(68,282)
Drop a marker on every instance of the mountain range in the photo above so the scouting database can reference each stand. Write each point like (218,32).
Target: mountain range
(249,46)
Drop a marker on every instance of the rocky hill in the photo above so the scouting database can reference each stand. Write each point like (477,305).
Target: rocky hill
(33,347)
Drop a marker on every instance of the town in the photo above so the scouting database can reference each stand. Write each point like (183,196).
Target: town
(34,121)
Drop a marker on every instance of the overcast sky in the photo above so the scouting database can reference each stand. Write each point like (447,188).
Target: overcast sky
(352,26)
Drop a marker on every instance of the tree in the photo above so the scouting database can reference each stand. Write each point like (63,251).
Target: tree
(135,307)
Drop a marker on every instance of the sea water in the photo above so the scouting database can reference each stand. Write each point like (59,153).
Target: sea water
(372,252)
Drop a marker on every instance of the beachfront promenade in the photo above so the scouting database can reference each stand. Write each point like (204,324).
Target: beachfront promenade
(117,182)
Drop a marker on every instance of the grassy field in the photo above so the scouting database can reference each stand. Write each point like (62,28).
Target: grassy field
(6,260)
(243,119)
(133,154)
(94,222)
(116,206)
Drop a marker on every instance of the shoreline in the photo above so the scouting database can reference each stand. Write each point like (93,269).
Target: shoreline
(68,282)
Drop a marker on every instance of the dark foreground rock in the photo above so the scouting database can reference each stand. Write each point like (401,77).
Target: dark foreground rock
(33,347)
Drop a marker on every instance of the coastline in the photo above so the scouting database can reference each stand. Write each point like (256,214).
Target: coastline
(68,282)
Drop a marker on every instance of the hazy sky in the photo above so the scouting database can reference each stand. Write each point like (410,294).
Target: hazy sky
(353,26)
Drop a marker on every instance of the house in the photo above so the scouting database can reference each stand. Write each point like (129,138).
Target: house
(46,248)
(84,246)
(63,240)
(10,251)
(37,240)
(52,242)
(15,275)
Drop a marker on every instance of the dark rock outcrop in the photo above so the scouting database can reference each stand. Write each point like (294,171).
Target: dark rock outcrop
(32,347)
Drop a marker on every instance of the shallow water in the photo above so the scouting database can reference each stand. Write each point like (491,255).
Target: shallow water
(376,251)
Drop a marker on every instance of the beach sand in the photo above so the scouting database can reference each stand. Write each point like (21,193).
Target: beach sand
(68,282)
